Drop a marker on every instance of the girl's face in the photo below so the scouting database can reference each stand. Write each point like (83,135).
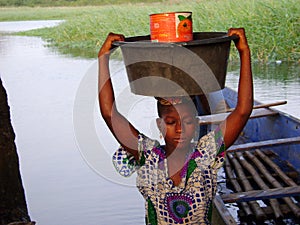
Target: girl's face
(178,125)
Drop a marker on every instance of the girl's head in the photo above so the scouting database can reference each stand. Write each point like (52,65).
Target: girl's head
(177,121)
(165,104)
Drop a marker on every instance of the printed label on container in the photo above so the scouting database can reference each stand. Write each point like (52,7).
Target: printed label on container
(184,26)
(171,27)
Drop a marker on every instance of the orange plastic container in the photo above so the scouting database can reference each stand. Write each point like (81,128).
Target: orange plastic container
(171,27)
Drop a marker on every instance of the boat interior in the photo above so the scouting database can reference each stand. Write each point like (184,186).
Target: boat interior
(262,174)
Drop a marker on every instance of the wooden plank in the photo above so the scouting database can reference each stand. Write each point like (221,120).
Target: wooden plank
(261,194)
(218,118)
(260,144)
(221,215)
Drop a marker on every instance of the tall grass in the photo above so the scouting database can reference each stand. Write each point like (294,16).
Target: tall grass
(272,26)
(52,3)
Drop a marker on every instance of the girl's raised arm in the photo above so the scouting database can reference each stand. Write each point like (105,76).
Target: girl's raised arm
(122,130)
(236,121)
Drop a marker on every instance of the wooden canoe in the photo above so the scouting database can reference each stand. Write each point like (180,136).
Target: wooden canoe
(262,168)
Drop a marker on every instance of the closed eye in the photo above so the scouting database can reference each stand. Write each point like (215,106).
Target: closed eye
(189,121)
(170,122)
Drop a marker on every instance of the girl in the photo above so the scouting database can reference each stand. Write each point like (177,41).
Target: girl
(178,179)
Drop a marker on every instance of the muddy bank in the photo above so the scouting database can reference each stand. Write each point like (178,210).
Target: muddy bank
(12,199)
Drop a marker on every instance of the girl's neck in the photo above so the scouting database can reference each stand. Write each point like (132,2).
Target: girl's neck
(176,160)
(176,153)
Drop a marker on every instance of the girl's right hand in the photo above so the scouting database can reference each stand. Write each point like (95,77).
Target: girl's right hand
(107,45)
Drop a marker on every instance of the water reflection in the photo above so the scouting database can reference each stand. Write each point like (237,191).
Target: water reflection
(284,72)
(273,82)
(17,26)
(276,71)
(60,187)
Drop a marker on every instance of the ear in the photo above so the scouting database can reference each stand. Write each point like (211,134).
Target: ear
(161,127)
(159,124)
(197,119)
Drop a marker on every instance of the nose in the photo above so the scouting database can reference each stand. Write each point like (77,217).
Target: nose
(178,127)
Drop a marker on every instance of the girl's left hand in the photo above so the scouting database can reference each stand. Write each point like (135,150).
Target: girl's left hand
(241,44)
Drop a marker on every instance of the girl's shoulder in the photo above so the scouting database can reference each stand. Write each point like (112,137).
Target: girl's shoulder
(214,137)
(147,144)
(211,146)
(126,164)
(149,147)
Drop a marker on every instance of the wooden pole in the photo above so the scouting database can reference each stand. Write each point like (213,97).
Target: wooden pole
(272,181)
(273,202)
(237,187)
(268,105)
(276,168)
(247,186)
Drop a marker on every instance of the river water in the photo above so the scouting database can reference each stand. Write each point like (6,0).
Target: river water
(63,144)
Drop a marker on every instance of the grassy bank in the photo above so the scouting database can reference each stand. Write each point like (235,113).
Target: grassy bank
(47,3)
(272,26)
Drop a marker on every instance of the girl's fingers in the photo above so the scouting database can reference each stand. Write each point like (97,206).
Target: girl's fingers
(107,45)
(240,43)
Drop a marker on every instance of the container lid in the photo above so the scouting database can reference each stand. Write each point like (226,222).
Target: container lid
(200,38)
(164,13)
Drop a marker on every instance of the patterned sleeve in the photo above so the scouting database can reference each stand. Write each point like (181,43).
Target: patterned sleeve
(125,163)
(212,148)
(220,147)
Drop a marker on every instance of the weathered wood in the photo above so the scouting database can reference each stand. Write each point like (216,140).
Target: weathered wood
(277,122)
(260,144)
(267,105)
(283,207)
(261,194)
(218,118)
(276,168)
(273,202)
(12,199)
(272,181)
(221,215)
(247,186)
(237,187)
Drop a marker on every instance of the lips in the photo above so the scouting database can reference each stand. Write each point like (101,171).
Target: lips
(180,140)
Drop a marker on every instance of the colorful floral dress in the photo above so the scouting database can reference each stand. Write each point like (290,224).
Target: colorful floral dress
(165,203)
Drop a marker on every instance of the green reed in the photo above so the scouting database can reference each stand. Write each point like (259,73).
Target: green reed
(272,26)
